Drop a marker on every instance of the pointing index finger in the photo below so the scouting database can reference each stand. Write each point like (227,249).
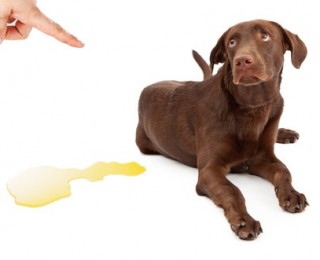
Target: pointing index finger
(40,21)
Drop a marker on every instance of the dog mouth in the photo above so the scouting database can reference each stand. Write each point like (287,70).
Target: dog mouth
(249,78)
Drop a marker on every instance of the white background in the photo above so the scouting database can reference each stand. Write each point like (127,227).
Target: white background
(68,107)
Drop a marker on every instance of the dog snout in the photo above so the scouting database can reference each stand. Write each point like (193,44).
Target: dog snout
(244,61)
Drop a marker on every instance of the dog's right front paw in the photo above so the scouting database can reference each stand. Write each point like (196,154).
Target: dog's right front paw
(246,227)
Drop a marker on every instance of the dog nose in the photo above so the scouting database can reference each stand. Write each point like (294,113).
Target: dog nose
(243,61)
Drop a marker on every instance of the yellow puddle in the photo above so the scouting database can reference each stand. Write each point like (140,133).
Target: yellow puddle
(40,186)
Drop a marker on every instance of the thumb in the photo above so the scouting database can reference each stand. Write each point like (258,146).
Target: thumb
(18,31)
(3,26)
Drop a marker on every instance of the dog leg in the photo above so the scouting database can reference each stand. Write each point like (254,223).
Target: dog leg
(273,170)
(213,184)
(143,142)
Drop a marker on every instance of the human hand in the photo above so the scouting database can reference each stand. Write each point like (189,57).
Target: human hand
(18,17)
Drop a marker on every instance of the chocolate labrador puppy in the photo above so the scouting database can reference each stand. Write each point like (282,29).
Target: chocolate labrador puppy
(229,121)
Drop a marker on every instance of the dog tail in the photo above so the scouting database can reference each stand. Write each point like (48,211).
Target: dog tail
(207,73)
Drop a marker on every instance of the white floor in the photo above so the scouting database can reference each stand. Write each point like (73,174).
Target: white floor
(69,107)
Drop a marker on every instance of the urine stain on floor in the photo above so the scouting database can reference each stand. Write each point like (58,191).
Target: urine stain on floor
(40,186)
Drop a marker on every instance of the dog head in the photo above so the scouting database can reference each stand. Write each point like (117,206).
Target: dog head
(255,51)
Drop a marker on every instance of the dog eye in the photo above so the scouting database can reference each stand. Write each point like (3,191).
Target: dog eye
(232,42)
(265,37)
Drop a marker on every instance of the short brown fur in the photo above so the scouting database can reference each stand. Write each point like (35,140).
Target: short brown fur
(229,121)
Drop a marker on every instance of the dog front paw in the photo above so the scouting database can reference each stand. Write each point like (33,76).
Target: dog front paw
(291,200)
(287,136)
(246,227)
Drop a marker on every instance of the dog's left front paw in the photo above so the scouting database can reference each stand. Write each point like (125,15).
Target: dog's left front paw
(291,200)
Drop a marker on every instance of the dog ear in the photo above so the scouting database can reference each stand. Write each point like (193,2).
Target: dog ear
(297,47)
(293,43)
(218,53)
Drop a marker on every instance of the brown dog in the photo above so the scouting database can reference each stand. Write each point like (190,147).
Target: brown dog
(229,121)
